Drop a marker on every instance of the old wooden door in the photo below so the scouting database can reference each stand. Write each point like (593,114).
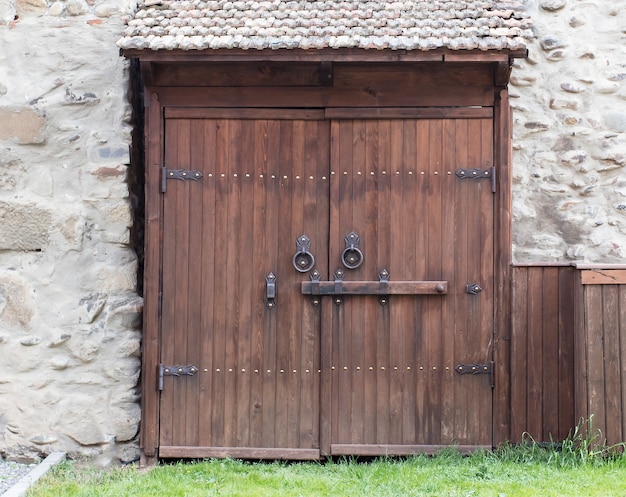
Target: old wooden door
(354,342)
(252,340)
(410,190)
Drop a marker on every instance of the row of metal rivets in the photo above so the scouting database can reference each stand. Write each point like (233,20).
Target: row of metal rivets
(345,173)
(333,368)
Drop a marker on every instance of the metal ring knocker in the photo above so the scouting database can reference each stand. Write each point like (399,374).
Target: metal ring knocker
(352,257)
(303,259)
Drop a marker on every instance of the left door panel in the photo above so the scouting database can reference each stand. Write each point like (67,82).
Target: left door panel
(264,184)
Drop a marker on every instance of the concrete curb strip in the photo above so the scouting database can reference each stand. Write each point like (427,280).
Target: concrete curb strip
(29,479)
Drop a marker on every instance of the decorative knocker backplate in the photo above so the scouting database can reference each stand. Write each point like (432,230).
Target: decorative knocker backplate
(352,257)
(303,259)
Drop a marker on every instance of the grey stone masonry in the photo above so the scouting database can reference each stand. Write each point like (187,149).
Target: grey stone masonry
(569,100)
(70,316)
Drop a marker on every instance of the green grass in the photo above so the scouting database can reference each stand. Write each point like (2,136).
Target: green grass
(527,470)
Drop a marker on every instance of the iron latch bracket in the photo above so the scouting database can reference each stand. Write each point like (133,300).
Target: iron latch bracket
(487,368)
(175,371)
(181,174)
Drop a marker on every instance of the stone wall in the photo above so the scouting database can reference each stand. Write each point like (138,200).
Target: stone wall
(69,311)
(569,100)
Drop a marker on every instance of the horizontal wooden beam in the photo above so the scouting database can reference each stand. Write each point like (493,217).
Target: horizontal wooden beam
(178,452)
(399,450)
(603,277)
(341,287)
(327,54)
(409,112)
(243,113)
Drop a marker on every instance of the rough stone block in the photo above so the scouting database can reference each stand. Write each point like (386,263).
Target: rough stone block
(21,125)
(23,227)
(30,6)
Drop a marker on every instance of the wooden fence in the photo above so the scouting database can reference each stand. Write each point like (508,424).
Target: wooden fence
(568,350)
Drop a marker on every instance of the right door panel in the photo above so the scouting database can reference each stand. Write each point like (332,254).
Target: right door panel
(393,388)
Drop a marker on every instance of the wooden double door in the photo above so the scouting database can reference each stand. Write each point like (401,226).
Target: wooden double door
(326,283)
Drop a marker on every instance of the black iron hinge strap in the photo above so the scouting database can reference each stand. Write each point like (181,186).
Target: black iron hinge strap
(180,174)
(175,371)
(487,368)
(489,173)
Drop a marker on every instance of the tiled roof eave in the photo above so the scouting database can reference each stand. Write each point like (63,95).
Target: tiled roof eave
(327,54)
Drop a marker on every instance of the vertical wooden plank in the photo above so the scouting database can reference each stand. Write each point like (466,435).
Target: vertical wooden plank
(249,278)
(153,217)
(580,351)
(612,376)
(433,304)
(388,155)
(503,340)
(168,295)
(343,314)
(267,181)
(358,327)
(180,192)
(567,326)
(535,354)
(622,347)
(519,350)
(291,197)
(407,218)
(485,333)
(376,132)
(462,255)
(194,332)
(594,320)
(220,277)
(550,366)
(448,304)
(389,227)
(207,263)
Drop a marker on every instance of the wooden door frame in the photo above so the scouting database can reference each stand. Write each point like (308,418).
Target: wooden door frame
(191,88)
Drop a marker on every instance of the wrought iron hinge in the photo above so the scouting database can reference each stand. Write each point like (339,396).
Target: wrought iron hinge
(181,174)
(487,368)
(175,371)
(479,174)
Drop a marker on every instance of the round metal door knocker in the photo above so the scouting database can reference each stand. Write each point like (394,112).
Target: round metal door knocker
(303,259)
(352,257)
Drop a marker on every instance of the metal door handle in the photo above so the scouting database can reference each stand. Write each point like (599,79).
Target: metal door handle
(270,290)
(352,257)
(303,259)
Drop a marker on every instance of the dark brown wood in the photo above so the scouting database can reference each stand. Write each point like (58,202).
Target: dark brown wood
(236,74)
(321,55)
(503,413)
(373,450)
(542,352)
(398,163)
(152,251)
(317,97)
(376,288)
(356,155)
(185,452)
(408,112)
(243,113)
(262,187)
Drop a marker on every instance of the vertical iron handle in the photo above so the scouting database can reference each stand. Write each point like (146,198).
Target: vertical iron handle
(270,290)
